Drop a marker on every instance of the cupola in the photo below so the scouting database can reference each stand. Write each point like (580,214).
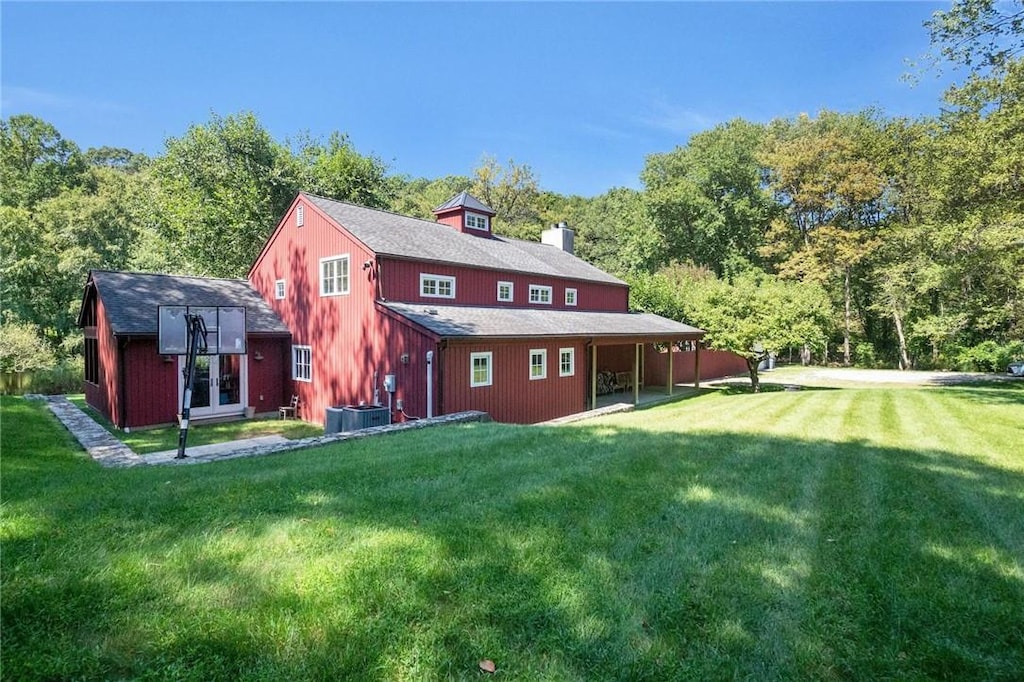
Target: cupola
(467,214)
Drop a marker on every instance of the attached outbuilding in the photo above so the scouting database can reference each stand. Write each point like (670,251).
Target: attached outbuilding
(132,385)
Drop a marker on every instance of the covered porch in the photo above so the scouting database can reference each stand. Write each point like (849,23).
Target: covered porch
(640,370)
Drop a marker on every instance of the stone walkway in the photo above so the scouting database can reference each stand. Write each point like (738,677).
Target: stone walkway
(97,441)
(110,452)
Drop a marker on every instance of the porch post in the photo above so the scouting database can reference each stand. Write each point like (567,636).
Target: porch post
(671,378)
(636,375)
(696,365)
(593,376)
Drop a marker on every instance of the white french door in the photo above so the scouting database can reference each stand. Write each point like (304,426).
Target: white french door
(221,385)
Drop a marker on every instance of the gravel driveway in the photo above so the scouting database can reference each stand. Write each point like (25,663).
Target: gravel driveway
(836,375)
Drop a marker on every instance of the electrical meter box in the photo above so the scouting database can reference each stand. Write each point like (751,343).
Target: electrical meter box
(389,383)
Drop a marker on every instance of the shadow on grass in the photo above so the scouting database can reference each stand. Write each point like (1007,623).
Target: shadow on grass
(581,553)
(1010,392)
(735,388)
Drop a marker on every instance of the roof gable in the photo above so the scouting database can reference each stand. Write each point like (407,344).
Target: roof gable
(399,236)
(131,299)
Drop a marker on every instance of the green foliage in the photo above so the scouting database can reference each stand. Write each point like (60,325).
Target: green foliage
(753,316)
(335,169)
(989,356)
(983,35)
(223,186)
(22,349)
(512,191)
(707,200)
(36,162)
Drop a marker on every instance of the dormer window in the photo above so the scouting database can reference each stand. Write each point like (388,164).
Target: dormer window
(477,221)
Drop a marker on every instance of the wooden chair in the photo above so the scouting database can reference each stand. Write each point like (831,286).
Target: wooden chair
(291,409)
(624,381)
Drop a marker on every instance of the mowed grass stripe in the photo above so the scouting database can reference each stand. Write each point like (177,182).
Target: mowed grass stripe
(811,540)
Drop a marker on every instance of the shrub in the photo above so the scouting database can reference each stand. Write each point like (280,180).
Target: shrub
(989,356)
(864,354)
(64,377)
(22,349)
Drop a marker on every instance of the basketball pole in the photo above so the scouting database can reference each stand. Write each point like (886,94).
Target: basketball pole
(197,340)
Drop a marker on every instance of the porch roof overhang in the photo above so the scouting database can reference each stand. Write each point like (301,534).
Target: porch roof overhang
(470,323)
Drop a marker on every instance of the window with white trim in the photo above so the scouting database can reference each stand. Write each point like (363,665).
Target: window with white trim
(505,291)
(539,363)
(570,297)
(566,362)
(437,286)
(477,221)
(334,275)
(540,294)
(302,363)
(300,215)
(480,369)
(279,289)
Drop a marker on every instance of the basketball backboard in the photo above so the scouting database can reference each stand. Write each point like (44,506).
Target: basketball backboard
(225,329)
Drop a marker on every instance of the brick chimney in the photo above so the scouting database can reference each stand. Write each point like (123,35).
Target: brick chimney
(467,214)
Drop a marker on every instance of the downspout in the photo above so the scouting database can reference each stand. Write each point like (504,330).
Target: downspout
(440,375)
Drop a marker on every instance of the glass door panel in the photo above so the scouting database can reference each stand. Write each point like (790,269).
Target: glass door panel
(230,392)
(201,386)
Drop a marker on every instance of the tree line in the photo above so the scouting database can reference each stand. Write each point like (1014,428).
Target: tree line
(857,238)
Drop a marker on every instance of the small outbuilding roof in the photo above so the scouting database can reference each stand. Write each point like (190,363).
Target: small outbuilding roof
(391,234)
(131,299)
(453,322)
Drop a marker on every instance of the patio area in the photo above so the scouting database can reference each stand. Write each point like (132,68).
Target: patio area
(648,396)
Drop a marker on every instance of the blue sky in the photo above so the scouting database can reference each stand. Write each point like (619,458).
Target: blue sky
(581,92)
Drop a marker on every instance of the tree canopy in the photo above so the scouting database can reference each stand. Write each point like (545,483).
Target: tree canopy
(887,240)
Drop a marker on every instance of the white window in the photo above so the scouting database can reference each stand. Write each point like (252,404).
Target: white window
(476,221)
(570,297)
(505,291)
(279,289)
(437,286)
(479,369)
(540,294)
(302,363)
(300,215)
(539,363)
(334,275)
(566,362)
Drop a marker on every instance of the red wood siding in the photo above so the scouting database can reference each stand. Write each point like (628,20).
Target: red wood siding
(151,385)
(103,395)
(269,377)
(714,364)
(401,282)
(618,358)
(512,395)
(346,338)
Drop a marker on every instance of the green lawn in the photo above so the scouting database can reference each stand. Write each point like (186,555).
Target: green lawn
(820,534)
(147,441)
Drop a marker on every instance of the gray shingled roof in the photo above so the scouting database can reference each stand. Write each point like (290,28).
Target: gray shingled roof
(131,299)
(390,234)
(465,200)
(471,321)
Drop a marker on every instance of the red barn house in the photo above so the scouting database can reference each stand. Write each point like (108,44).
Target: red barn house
(426,317)
(462,318)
